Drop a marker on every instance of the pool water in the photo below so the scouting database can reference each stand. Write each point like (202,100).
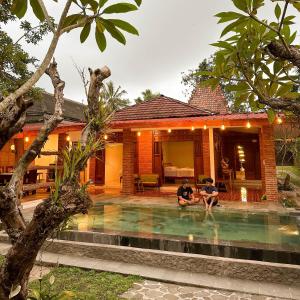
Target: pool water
(193,224)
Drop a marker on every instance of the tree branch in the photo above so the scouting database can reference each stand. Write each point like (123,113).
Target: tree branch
(44,9)
(283,14)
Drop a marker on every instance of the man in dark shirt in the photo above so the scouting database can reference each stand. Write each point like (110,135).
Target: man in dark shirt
(185,194)
(210,194)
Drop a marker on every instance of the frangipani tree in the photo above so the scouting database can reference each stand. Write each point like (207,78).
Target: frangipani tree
(259,58)
(70,197)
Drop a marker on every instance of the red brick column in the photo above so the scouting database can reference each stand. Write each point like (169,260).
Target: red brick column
(205,151)
(145,152)
(268,162)
(128,162)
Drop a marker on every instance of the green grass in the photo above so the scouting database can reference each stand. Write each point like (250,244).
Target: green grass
(87,285)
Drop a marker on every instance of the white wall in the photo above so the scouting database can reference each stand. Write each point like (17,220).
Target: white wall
(113,165)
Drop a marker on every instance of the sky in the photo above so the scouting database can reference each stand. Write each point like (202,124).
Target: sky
(174,36)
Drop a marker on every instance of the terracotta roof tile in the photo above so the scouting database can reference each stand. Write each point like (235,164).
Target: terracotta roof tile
(161,107)
(206,98)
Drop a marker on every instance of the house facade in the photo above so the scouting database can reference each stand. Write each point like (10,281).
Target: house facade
(67,131)
(179,140)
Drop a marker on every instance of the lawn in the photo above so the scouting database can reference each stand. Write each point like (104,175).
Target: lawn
(86,285)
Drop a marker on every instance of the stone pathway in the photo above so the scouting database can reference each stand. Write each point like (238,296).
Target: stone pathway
(147,290)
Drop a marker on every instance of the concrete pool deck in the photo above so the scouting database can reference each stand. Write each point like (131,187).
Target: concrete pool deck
(258,290)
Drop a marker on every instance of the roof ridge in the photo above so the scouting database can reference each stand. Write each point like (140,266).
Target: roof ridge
(167,98)
(70,100)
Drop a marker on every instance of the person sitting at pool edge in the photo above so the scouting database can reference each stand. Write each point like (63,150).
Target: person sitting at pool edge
(185,194)
(209,193)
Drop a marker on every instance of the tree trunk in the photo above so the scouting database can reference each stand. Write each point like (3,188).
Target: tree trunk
(47,217)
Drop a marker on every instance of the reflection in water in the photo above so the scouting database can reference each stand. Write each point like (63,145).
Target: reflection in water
(244,194)
(190,224)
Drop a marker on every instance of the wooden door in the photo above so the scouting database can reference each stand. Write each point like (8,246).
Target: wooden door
(19,146)
(100,167)
(198,159)
(158,159)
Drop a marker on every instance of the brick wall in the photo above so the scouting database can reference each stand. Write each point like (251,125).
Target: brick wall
(145,152)
(128,161)
(268,163)
(206,156)
(7,158)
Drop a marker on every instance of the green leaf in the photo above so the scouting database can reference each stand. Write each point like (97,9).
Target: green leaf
(37,10)
(85,32)
(271,115)
(222,44)
(297,5)
(100,39)
(72,19)
(100,25)
(138,2)
(114,32)
(277,11)
(241,4)
(242,86)
(102,3)
(124,25)
(233,25)
(19,8)
(228,16)
(119,8)
(283,90)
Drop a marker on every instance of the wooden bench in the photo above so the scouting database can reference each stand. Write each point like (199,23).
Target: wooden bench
(35,186)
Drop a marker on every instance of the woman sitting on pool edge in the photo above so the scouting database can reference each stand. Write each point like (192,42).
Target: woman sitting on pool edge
(185,194)
(210,194)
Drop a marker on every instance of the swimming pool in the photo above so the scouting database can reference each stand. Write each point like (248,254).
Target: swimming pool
(258,236)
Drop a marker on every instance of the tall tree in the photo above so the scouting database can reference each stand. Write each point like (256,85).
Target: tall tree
(259,58)
(69,197)
(146,95)
(113,97)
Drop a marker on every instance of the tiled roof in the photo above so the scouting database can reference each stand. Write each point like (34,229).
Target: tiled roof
(161,107)
(72,110)
(206,98)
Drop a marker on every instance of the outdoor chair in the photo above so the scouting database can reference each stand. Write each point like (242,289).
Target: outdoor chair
(138,183)
(150,180)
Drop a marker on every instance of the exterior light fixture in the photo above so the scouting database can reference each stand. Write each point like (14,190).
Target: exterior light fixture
(12,148)
(240,147)
(242,155)
(279,120)
(205,127)
(68,139)
(26,139)
(193,128)
(138,133)
(169,130)
(241,151)
(248,125)
(223,127)
(105,137)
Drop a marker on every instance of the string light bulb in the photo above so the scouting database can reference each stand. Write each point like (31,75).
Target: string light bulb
(223,127)
(205,127)
(13,147)
(105,137)
(68,138)
(138,133)
(26,139)
(248,125)
(193,128)
(169,130)
(279,120)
